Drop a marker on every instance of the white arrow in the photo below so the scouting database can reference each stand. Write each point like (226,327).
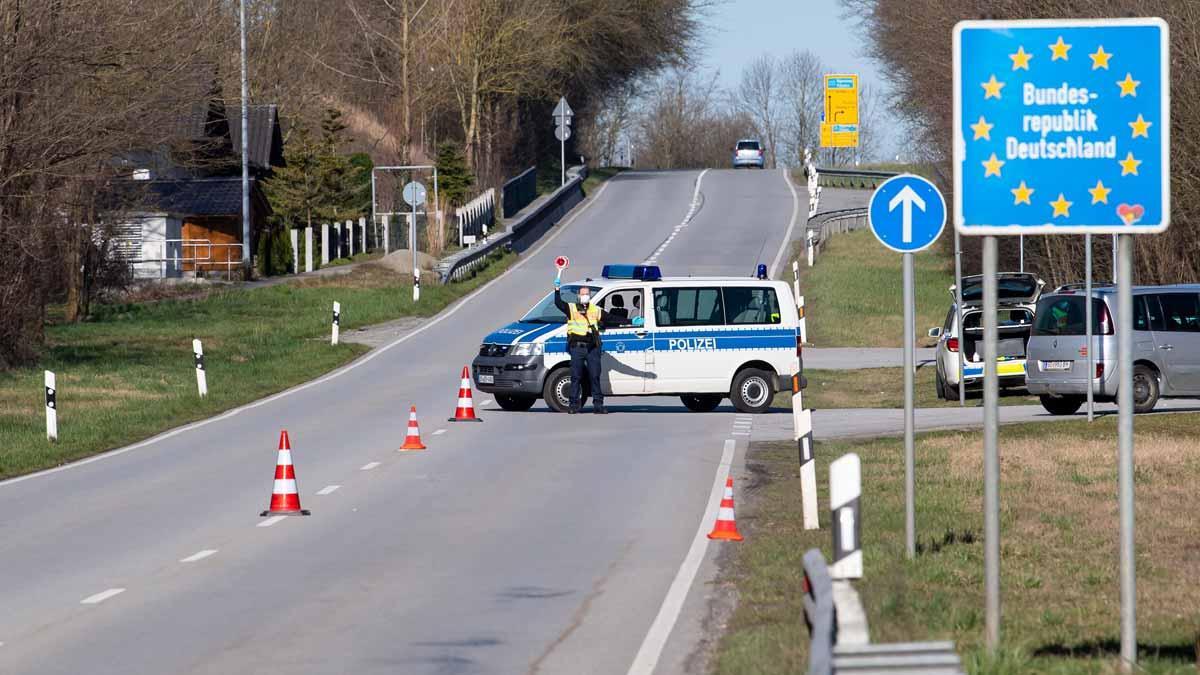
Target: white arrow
(908,197)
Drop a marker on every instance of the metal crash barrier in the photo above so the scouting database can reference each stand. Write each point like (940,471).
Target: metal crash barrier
(831,630)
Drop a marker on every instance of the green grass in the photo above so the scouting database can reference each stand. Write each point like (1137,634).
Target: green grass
(1058,569)
(883,388)
(127,373)
(599,175)
(852,294)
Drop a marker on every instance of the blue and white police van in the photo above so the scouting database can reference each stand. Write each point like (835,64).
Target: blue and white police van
(699,338)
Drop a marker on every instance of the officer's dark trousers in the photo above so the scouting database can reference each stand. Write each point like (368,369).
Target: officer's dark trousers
(585,360)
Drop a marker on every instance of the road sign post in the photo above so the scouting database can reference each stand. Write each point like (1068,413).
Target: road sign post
(562,131)
(907,213)
(414,196)
(1087,321)
(1062,126)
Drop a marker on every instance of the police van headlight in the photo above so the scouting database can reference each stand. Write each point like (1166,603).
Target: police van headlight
(527,349)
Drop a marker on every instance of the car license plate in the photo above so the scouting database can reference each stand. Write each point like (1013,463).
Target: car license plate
(487,379)
(1056,365)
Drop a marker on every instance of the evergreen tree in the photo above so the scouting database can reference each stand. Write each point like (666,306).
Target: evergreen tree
(454,178)
(345,183)
(295,190)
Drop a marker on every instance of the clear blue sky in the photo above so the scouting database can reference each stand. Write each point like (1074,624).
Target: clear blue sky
(741,30)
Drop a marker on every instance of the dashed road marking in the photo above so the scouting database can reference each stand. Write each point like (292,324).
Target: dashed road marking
(488,402)
(270,521)
(101,596)
(692,208)
(328,489)
(439,432)
(200,555)
(368,466)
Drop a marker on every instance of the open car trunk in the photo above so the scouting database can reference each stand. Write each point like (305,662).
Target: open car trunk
(1013,327)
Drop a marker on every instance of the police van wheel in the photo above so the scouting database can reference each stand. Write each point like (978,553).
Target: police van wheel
(701,402)
(515,403)
(752,392)
(557,390)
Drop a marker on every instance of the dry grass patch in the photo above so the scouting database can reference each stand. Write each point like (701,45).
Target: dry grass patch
(1059,549)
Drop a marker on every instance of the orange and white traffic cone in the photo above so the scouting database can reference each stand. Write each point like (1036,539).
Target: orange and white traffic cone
(465,412)
(413,440)
(726,527)
(285,500)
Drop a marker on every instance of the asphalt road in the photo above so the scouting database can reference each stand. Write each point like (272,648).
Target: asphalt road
(532,542)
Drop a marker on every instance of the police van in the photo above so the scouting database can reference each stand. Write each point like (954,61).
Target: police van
(699,338)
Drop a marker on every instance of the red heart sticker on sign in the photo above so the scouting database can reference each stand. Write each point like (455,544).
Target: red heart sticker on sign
(1131,213)
(562,262)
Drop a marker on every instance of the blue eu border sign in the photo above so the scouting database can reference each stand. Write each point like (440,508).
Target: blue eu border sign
(1061,126)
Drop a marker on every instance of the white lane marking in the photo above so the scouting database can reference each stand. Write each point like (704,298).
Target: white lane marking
(367,358)
(201,555)
(368,466)
(270,521)
(328,489)
(787,236)
(692,208)
(652,646)
(487,402)
(439,432)
(101,596)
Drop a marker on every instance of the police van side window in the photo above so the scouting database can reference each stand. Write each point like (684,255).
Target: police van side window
(1181,313)
(688,307)
(746,305)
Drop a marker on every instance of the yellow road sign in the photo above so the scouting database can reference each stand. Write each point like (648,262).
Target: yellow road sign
(839,129)
(839,135)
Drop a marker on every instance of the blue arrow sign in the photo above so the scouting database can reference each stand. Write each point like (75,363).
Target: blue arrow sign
(907,213)
(1061,126)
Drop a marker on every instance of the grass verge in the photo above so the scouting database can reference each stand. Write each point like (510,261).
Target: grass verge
(1059,536)
(127,373)
(884,388)
(853,293)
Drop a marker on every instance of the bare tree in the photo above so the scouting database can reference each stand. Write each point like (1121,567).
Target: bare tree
(759,97)
(801,103)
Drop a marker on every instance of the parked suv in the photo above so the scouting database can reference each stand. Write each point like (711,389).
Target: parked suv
(1016,295)
(1166,346)
(748,152)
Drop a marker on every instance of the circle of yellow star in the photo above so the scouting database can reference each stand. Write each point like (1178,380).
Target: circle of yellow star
(1140,127)
(1099,193)
(1128,85)
(1129,165)
(991,88)
(1021,194)
(1059,50)
(1062,207)
(1021,58)
(982,129)
(992,166)
(1100,58)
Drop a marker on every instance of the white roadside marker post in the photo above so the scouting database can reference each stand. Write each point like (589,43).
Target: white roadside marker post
(337,319)
(808,470)
(845,490)
(201,377)
(51,407)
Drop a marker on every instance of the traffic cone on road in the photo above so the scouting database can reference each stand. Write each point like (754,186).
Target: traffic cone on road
(465,412)
(413,440)
(726,527)
(285,500)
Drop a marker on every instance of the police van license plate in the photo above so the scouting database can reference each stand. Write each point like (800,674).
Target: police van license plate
(1056,365)
(487,379)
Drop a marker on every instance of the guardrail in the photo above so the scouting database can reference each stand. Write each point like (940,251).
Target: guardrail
(520,234)
(476,217)
(519,191)
(852,178)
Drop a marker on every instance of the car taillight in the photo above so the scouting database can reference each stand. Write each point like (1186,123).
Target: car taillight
(799,346)
(760,152)
(952,344)
(1099,370)
(1106,324)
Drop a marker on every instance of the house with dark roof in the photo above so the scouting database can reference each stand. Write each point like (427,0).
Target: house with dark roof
(183,203)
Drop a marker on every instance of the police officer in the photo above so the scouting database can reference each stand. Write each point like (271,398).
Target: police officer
(583,343)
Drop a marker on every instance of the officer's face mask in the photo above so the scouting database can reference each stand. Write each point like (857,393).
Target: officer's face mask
(585,299)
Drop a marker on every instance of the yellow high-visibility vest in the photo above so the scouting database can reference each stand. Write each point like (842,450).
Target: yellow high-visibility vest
(578,323)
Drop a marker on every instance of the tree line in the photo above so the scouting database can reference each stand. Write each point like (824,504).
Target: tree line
(88,87)
(912,39)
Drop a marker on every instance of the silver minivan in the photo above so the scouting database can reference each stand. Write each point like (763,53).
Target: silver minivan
(1166,346)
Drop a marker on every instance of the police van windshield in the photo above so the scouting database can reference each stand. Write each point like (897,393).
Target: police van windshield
(546,312)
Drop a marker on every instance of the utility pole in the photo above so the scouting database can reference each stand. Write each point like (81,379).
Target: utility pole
(245,160)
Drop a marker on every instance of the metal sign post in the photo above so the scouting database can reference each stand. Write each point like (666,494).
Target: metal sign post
(907,214)
(562,131)
(1062,143)
(962,385)
(414,196)
(1087,319)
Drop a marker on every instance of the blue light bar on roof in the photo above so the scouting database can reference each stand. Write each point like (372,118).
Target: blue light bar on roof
(638,272)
